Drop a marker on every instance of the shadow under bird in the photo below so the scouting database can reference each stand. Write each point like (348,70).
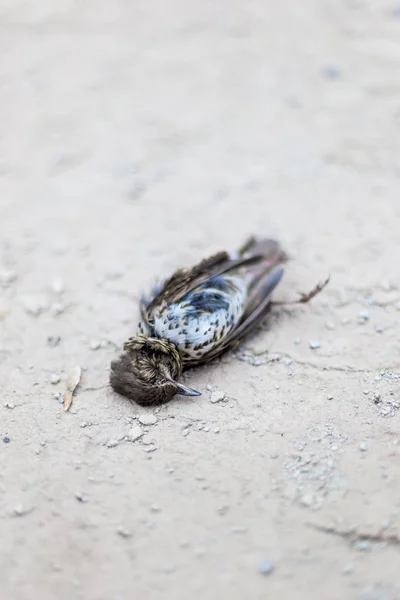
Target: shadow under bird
(195,316)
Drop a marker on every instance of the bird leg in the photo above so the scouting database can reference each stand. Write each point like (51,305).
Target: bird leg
(304,297)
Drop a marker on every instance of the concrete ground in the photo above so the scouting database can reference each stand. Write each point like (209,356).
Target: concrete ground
(136,137)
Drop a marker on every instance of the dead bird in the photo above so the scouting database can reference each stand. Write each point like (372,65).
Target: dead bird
(196,315)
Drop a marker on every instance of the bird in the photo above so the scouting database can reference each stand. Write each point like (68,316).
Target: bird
(196,315)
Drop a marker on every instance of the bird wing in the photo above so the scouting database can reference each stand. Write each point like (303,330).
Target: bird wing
(184,281)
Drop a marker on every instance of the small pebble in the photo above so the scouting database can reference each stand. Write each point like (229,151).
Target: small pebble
(147,419)
(266,567)
(363,316)
(297,340)
(94,345)
(7,277)
(125,533)
(135,433)
(330,325)
(306,500)
(55,378)
(112,443)
(34,304)
(330,397)
(6,439)
(10,405)
(363,545)
(379,329)
(147,440)
(217,396)
(150,448)
(363,447)
(53,340)
(57,308)
(20,510)
(216,429)
(347,569)
(314,344)
(81,497)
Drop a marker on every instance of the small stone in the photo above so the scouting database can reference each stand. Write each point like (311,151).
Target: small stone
(266,567)
(112,443)
(55,378)
(363,316)
(363,447)
(363,545)
(57,285)
(125,533)
(347,569)
(330,397)
(146,440)
(34,304)
(6,439)
(10,405)
(20,510)
(217,396)
(330,325)
(60,398)
(53,340)
(7,277)
(379,329)
(146,419)
(57,308)
(84,424)
(81,497)
(377,398)
(297,340)
(151,448)
(216,430)
(306,500)
(314,344)
(94,345)
(155,508)
(135,433)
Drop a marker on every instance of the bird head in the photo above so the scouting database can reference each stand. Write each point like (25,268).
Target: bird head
(147,370)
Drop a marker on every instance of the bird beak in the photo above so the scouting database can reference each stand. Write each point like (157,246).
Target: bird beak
(183,390)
